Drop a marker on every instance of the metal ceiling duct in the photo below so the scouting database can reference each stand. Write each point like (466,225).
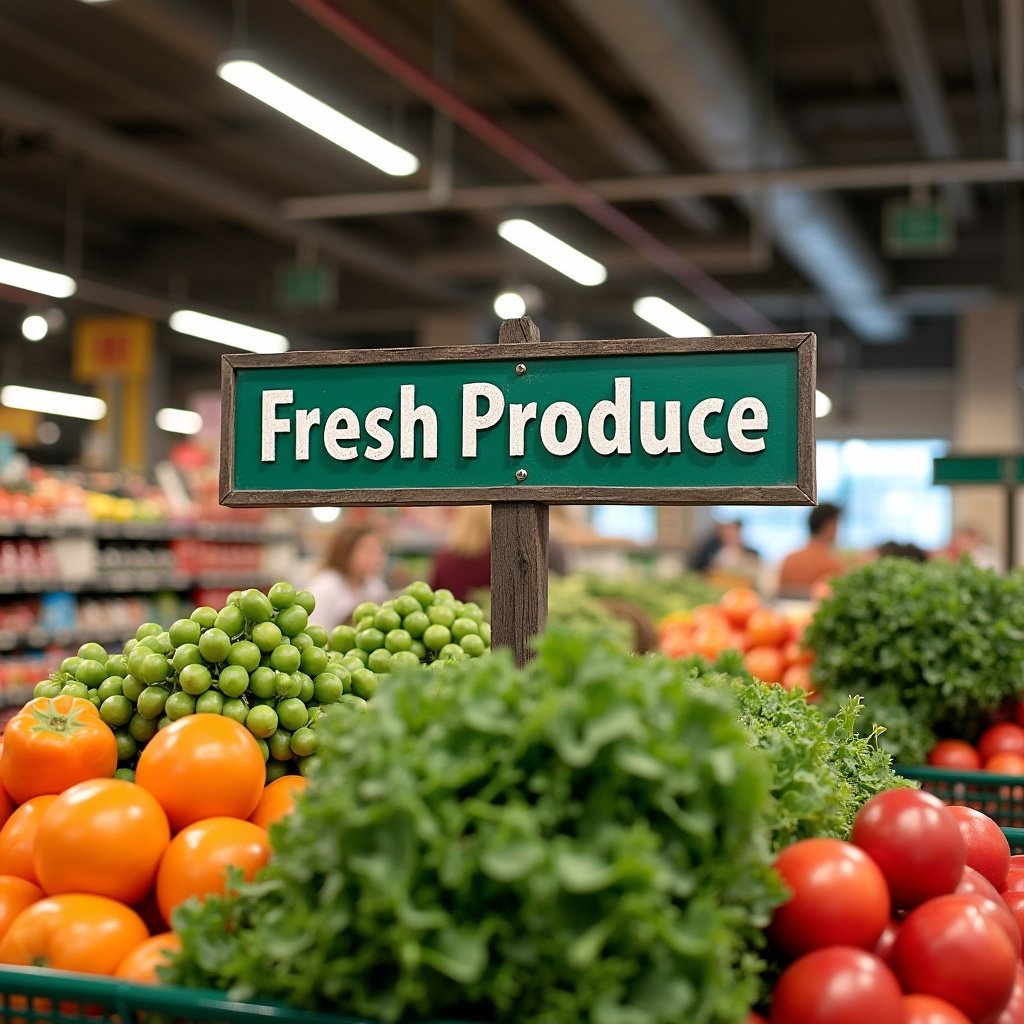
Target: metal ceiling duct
(686,63)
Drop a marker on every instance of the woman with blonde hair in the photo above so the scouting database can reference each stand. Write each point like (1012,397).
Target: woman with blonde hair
(463,566)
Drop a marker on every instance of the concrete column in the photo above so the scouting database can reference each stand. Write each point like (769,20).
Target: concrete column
(987,412)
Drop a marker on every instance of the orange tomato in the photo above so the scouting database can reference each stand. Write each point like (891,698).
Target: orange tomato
(104,837)
(278,800)
(794,654)
(797,677)
(141,963)
(710,639)
(739,604)
(766,628)
(197,860)
(708,614)
(51,744)
(1005,763)
(955,754)
(74,932)
(18,837)
(765,663)
(15,896)
(203,766)
(7,805)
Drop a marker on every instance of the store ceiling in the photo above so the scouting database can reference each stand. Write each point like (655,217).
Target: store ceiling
(125,160)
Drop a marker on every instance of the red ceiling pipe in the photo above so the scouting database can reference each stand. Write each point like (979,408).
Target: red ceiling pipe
(666,259)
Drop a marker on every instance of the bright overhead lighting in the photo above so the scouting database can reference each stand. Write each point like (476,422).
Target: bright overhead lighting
(227,332)
(557,254)
(53,403)
(326,514)
(34,327)
(310,112)
(509,306)
(670,319)
(32,279)
(822,404)
(179,421)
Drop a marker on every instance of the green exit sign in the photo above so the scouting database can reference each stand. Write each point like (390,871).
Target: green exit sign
(917,228)
(654,421)
(306,287)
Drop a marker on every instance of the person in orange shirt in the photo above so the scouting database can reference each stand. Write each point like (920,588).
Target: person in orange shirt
(816,561)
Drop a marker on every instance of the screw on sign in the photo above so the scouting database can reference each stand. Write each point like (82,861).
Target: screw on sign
(521,425)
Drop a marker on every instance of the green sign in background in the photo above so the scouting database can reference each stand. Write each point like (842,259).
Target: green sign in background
(689,378)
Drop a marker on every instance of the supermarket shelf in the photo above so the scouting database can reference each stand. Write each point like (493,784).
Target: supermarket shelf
(135,583)
(39,638)
(226,532)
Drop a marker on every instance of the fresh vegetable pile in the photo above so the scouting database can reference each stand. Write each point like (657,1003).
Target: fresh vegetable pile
(260,662)
(933,648)
(657,597)
(916,920)
(585,839)
(92,868)
(771,643)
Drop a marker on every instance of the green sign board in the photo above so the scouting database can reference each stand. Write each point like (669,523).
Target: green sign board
(917,228)
(979,469)
(666,421)
(307,287)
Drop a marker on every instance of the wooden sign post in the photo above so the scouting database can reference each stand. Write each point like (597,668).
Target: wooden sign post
(522,425)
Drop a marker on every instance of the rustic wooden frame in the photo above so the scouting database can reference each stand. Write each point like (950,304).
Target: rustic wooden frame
(802,493)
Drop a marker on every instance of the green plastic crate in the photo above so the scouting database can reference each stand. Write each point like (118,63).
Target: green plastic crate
(1015,837)
(33,996)
(1001,797)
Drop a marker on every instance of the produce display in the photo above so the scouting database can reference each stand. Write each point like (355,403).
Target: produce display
(934,648)
(260,662)
(771,642)
(655,596)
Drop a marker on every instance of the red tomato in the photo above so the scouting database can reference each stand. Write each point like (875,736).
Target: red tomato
(1018,712)
(955,754)
(837,985)
(1014,902)
(738,604)
(1004,738)
(916,842)
(950,948)
(987,848)
(1005,763)
(929,1010)
(883,947)
(767,628)
(839,897)
(797,677)
(974,882)
(1014,880)
(765,663)
(996,910)
(711,639)
(755,1018)
(1013,1012)
(797,655)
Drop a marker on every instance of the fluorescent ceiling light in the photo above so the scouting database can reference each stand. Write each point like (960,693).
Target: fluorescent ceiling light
(509,306)
(326,514)
(668,318)
(310,112)
(543,246)
(32,279)
(227,332)
(35,327)
(179,421)
(54,403)
(822,404)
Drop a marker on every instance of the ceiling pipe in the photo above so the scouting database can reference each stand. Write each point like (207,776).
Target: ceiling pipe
(726,183)
(726,303)
(907,45)
(221,196)
(512,32)
(685,61)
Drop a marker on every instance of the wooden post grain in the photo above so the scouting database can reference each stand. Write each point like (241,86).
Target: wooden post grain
(519,547)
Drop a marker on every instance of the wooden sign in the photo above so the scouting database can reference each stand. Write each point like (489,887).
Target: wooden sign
(522,425)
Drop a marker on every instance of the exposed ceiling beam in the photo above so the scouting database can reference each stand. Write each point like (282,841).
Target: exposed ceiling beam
(511,31)
(226,198)
(686,62)
(430,88)
(907,45)
(1012,31)
(724,183)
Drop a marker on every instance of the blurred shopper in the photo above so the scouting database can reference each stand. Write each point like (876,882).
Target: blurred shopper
(350,573)
(725,550)
(463,566)
(817,561)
